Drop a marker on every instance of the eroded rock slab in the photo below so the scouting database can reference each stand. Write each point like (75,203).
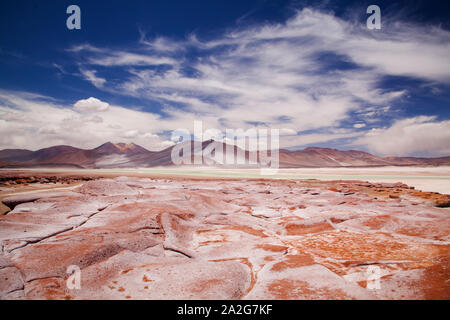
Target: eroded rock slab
(141,238)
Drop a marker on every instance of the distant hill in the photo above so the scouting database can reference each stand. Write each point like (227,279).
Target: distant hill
(326,157)
(123,155)
(70,156)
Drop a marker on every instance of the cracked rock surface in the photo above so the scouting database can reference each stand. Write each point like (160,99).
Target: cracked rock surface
(142,238)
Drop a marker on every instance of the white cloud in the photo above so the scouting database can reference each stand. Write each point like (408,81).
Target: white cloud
(267,75)
(107,57)
(129,59)
(287,132)
(167,143)
(311,138)
(400,49)
(91,105)
(131,134)
(95,118)
(23,126)
(271,73)
(90,75)
(421,135)
(162,45)
(84,47)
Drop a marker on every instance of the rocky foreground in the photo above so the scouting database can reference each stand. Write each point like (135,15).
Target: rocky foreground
(142,238)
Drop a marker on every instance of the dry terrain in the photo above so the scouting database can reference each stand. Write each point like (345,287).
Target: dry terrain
(158,237)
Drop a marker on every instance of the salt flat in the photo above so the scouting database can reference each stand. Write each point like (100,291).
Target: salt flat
(433,179)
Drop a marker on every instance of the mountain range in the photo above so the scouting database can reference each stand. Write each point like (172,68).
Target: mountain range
(130,155)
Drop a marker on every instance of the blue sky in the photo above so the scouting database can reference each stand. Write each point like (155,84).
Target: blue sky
(139,69)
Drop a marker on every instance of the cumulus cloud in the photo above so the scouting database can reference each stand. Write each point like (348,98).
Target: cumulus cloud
(422,135)
(91,105)
(22,124)
(131,134)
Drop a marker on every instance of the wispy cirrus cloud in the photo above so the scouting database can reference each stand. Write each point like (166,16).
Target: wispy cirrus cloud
(106,57)
(315,76)
(90,75)
(273,74)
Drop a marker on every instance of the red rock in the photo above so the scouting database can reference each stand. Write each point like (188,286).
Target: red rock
(186,238)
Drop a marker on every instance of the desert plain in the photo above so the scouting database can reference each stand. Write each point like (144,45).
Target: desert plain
(359,233)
